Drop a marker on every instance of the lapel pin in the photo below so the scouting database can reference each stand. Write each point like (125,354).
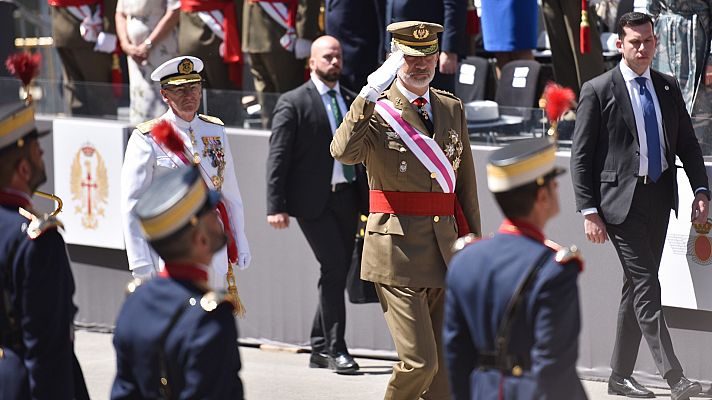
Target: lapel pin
(667,87)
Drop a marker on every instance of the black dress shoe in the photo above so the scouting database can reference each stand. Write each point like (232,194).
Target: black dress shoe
(319,360)
(628,387)
(343,363)
(684,388)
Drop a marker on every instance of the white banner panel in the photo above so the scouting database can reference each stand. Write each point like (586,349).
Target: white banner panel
(87,176)
(686,266)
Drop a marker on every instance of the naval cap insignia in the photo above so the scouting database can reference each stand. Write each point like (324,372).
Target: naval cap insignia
(421,32)
(185,66)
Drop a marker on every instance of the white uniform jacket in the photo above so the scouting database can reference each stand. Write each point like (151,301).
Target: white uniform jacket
(145,159)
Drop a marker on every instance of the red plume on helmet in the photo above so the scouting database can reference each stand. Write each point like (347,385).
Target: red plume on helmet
(559,99)
(166,136)
(24,66)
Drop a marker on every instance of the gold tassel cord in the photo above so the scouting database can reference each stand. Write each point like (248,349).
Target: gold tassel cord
(232,292)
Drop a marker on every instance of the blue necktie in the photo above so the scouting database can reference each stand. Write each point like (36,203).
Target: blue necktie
(652,134)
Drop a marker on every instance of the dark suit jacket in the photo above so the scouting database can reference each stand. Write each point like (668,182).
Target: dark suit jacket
(451,14)
(359,26)
(605,155)
(299,165)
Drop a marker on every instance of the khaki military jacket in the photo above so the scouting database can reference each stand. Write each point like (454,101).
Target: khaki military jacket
(65,26)
(261,34)
(402,250)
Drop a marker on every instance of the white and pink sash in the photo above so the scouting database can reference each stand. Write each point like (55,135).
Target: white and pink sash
(279,12)
(426,150)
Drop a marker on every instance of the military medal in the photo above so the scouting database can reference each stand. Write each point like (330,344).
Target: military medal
(455,146)
(217,181)
(213,148)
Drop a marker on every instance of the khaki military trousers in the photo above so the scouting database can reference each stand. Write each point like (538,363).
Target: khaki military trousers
(415,319)
(274,73)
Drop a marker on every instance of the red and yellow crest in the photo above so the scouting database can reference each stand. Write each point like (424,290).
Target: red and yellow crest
(90,185)
(699,246)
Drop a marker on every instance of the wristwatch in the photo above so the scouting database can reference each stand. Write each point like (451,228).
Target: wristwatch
(148,43)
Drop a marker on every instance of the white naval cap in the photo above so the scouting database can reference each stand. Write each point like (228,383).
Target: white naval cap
(179,70)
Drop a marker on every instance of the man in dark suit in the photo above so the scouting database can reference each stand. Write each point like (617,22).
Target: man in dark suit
(305,182)
(505,339)
(631,123)
(451,14)
(358,25)
(37,358)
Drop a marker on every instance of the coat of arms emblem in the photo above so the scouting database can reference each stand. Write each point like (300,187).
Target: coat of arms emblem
(89,185)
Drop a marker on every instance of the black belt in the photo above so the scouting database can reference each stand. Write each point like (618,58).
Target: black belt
(645,180)
(515,364)
(340,186)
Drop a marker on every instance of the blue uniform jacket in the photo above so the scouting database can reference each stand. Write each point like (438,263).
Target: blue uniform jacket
(201,349)
(40,285)
(480,282)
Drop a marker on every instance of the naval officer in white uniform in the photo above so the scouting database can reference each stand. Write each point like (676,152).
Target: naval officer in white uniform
(205,144)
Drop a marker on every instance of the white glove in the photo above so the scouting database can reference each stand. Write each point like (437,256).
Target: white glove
(302,48)
(105,42)
(380,79)
(144,272)
(243,260)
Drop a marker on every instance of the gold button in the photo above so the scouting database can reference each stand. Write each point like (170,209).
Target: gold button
(436,218)
(360,116)
(433,175)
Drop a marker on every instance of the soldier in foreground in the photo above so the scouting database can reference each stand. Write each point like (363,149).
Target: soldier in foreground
(512,305)
(37,358)
(175,337)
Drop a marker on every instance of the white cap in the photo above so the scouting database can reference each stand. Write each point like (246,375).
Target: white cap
(179,70)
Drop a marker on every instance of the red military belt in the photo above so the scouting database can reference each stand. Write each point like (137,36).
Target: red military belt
(412,203)
(419,203)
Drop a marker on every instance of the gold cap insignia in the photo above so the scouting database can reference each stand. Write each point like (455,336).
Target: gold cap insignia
(421,32)
(185,66)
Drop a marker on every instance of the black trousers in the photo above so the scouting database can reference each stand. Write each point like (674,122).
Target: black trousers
(331,237)
(639,242)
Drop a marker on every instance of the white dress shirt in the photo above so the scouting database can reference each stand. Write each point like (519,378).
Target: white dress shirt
(634,93)
(412,96)
(337,172)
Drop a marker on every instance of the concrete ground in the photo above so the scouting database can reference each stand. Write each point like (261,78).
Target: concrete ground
(275,375)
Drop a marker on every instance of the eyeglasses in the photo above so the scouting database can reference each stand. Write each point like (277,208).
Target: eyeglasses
(184,89)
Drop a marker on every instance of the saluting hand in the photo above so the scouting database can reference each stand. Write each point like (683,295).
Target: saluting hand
(278,221)
(595,229)
(700,209)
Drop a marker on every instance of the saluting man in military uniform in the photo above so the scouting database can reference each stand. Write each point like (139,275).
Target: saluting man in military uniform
(37,358)
(175,338)
(512,305)
(206,144)
(414,143)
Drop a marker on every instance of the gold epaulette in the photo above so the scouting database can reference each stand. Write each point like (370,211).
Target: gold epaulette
(133,285)
(445,92)
(565,255)
(464,241)
(212,120)
(212,299)
(39,224)
(145,127)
